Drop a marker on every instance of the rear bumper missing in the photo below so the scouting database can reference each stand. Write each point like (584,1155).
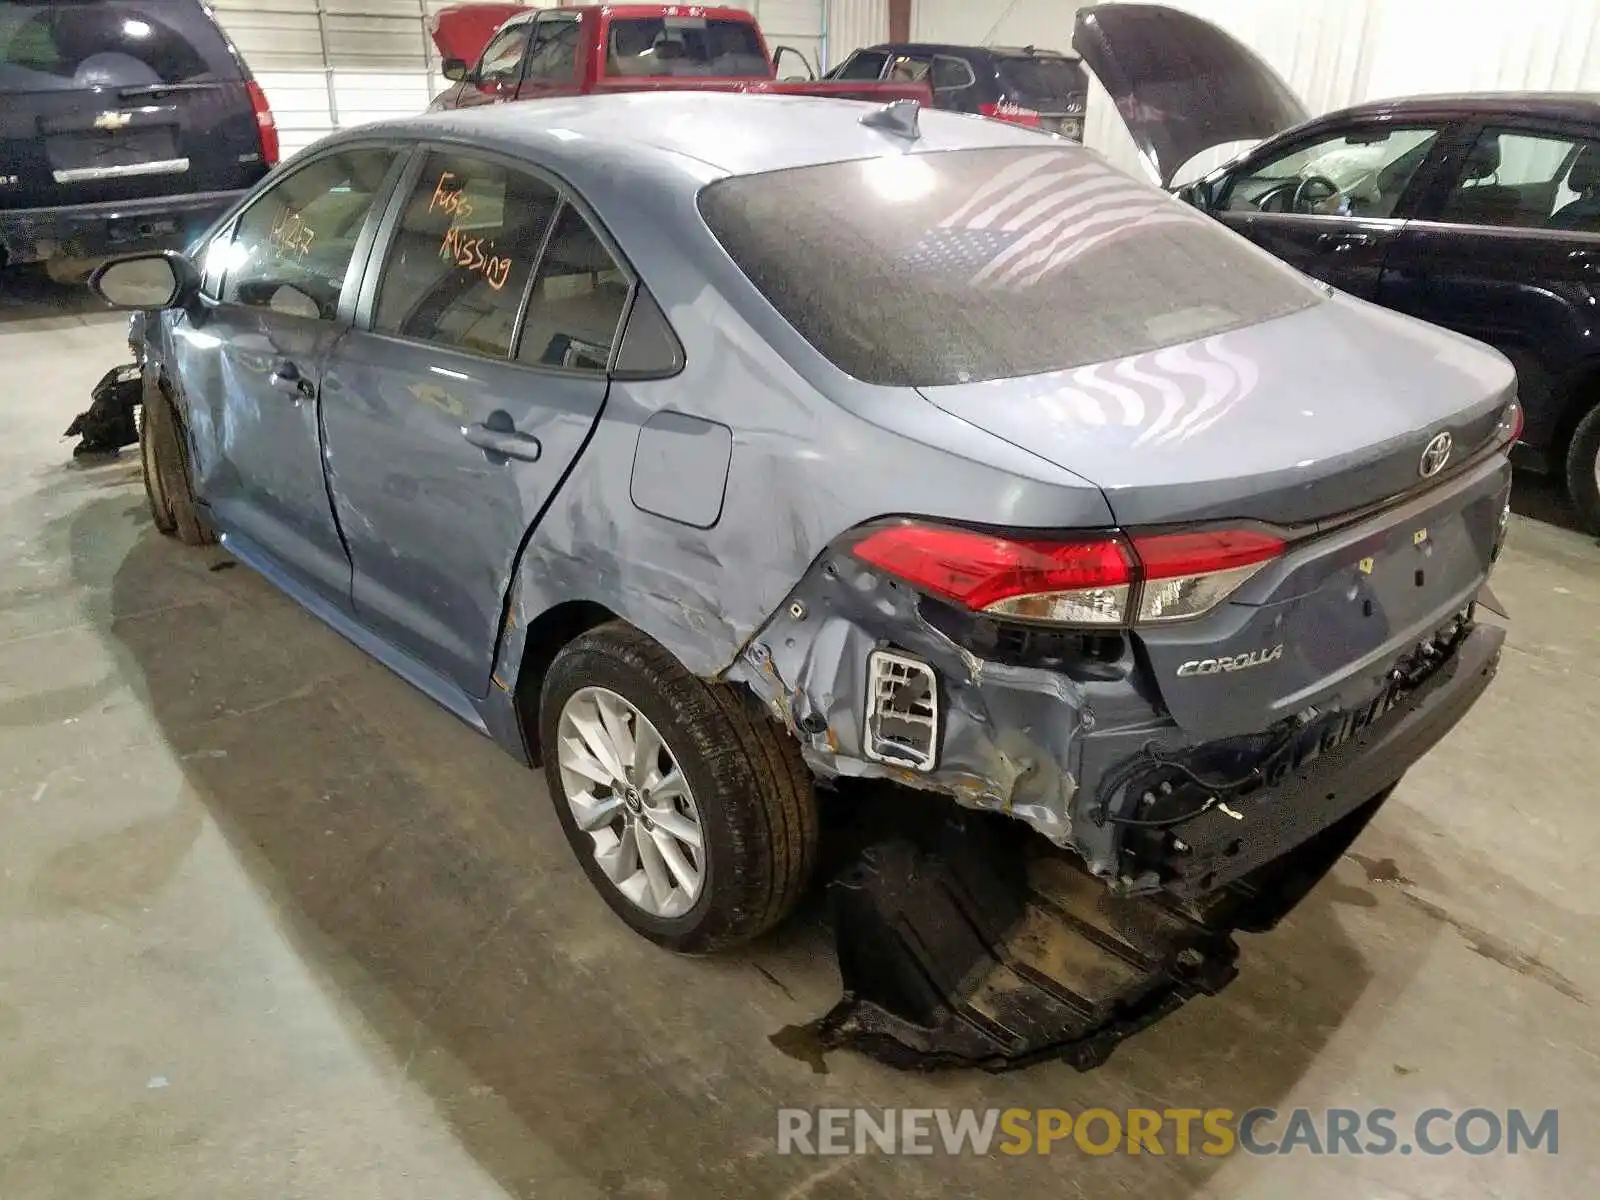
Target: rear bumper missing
(80,231)
(1226,842)
(1065,738)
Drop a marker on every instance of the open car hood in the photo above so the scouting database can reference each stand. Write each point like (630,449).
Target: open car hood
(1182,85)
(463,30)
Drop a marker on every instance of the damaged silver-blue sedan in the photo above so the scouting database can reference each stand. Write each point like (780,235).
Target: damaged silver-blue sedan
(710,450)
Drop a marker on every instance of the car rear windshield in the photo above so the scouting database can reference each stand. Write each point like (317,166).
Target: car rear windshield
(1042,83)
(920,270)
(656,47)
(81,44)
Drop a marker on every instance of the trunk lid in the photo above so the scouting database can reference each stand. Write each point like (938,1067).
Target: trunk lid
(1320,633)
(106,100)
(1182,85)
(1324,411)
(1318,424)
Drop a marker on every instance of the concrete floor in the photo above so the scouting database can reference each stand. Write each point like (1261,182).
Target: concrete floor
(271,925)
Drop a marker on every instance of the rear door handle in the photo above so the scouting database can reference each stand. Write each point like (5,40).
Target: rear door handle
(1336,242)
(286,377)
(509,443)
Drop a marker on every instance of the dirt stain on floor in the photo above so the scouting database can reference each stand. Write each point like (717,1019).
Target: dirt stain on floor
(1498,950)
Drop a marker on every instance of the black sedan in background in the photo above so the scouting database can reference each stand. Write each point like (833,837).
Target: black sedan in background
(1480,213)
(1044,89)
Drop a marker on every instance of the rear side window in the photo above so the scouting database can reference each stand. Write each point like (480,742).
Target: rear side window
(81,44)
(673,46)
(463,254)
(577,300)
(1045,84)
(921,270)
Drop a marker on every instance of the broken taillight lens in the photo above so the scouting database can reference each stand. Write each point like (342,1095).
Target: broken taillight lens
(266,124)
(1105,579)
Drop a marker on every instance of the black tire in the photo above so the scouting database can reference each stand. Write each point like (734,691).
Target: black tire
(754,796)
(1583,464)
(160,508)
(163,447)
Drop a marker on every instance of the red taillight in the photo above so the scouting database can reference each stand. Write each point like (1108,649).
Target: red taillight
(1511,424)
(1101,580)
(1007,111)
(1186,574)
(265,123)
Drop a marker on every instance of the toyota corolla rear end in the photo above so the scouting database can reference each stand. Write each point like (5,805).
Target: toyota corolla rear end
(1306,496)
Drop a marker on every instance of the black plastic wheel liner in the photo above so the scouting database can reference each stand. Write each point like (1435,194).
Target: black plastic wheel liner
(971,946)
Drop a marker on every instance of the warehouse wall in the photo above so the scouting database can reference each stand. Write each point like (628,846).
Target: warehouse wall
(329,64)
(853,24)
(1332,52)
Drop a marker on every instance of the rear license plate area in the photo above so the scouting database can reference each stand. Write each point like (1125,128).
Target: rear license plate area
(129,148)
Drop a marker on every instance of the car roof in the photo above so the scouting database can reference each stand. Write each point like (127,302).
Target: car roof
(1583,106)
(956,50)
(692,134)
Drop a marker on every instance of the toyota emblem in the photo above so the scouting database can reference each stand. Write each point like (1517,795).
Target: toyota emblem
(1435,455)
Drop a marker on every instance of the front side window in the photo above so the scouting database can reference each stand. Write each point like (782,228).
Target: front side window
(1359,173)
(905,69)
(960,266)
(502,58)
(555,50)
(463,253)
(682,46)
(292,248)
(863,64)
(1528,181)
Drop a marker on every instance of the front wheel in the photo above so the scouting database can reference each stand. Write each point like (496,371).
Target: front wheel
(165,455)
(692,814)
(1583,470)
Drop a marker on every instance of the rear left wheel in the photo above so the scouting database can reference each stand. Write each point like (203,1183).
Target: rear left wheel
(691,813)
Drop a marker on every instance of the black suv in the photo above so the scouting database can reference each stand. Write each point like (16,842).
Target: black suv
(1025,85)
(124,125)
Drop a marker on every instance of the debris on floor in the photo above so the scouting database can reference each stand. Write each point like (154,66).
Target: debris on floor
(109,424)
(974,944)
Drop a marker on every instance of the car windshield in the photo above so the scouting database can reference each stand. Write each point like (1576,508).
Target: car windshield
(916,270)
(1045,83)
(81,44)
(655,47)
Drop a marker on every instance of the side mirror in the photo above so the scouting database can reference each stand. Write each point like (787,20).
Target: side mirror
(1199,193)
(146,282)
(804,65)
(455,69)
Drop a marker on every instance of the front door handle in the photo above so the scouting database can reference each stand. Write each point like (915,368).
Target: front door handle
(508,443)
(286,377)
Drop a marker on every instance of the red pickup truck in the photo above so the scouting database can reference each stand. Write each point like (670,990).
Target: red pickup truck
(543,52)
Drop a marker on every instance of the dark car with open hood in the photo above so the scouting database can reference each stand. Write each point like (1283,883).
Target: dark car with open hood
(124,125)
(1477,212)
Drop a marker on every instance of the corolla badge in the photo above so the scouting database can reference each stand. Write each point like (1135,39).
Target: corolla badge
(112,121)
(1235,662)
(1435,455)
